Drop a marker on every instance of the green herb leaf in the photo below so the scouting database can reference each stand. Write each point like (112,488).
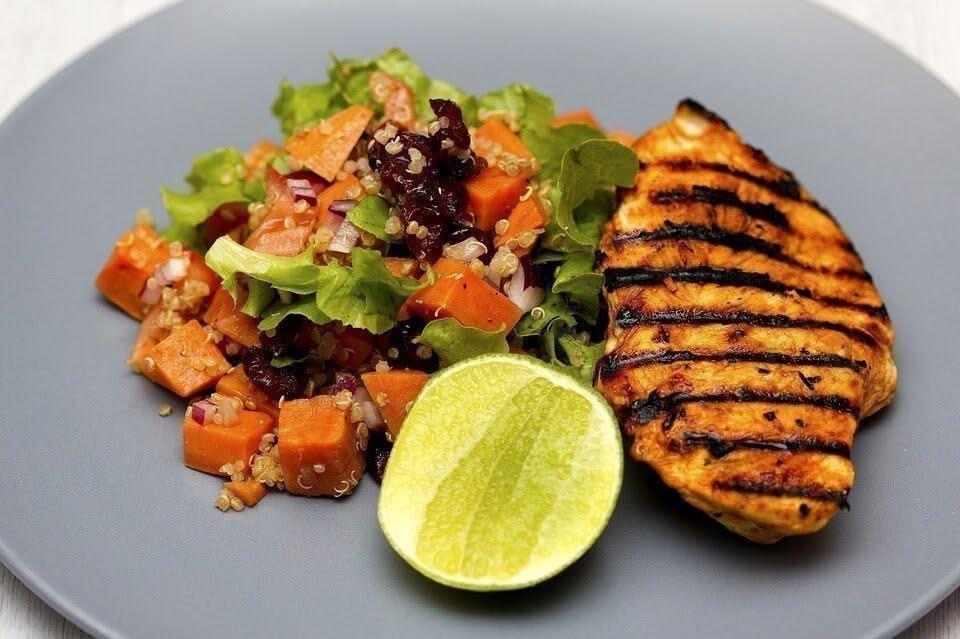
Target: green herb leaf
(551,143)
(582,357)
(522,105)
(299,107)
(295,274)
(557,314)
(365,295)
(582,285)
(586,169)
(453,342)
(259,296)
(371,215)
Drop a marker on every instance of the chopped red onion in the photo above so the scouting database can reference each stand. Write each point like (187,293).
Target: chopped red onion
(465,251)
(302,189)
(526,297)
(344,382)
(201,410)
(151,294)
(342,206)
(346,238)
(173,270)
(331,222)
(371,414)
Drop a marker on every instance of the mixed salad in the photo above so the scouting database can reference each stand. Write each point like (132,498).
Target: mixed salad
(304,292)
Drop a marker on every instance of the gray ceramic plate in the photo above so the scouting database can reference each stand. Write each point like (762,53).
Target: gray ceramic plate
(100,518)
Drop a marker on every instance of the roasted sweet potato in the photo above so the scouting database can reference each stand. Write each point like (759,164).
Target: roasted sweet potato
(339,190)
(256,158)
(318,448)
(393,392)
(209,447)
(151,332)
(494,139)
(237,384)
(286,227)
(326,146)
(355,346)
(250,492)
(525,221)
(460,293)
(225,316)
(582,116)
(186,362)
(492,195)
(136,254)
(402,266)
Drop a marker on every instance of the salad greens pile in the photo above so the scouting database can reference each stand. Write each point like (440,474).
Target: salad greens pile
(579,170)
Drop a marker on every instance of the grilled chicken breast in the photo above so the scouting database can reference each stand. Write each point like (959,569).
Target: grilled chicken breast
(746,340)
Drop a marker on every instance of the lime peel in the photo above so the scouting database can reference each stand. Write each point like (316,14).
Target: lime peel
(505,472)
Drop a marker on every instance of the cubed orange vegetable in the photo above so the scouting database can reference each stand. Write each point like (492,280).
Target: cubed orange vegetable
(209,447)
(326,146)
(136,254)
(402,266)
(396,97)
(284,230)
(492,195)
(355,346)
(393,392)
(257,156)
(624,138)
(198,271)
(151,332)
(237,384)
(226,316)
(336,191)
(583,116)
(525,221)
(250,492)
(318,448)
(186,362)
(463,295)
(494,138)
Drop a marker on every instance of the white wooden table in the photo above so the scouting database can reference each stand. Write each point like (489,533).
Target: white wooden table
(37,37)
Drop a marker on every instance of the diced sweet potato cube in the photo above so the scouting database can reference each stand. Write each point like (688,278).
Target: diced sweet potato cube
(186,362)
(198,271)
(209,447)
(339,190)
(402,266)
(237,384)
(624,138)
(495,141)
(151,332)
(583,116)
(355,346)
(526,220)
(257,156)
(460,293)
(326,146)
(318,448)
(225,316)
(393,392)
(492,195)
(284,230)
(136,254)
(249,492)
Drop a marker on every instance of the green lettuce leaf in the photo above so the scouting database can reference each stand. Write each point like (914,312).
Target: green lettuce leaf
(228,259)
(259,296)
(557,315)
(305,307)
(352,79)
(371,215)
(522,105)
(299,107)
(452,341)
(590,167)
(582,357)
(186,234)
(549,145)
(582,285)
(365,295)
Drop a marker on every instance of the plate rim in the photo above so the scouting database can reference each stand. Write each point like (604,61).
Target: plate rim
(97,627)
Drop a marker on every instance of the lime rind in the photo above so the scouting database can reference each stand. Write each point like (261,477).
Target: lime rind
(511,496)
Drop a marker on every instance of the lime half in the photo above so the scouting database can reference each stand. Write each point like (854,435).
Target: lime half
(505,472)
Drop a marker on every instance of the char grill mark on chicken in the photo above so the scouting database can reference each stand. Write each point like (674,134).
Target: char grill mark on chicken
(746,339)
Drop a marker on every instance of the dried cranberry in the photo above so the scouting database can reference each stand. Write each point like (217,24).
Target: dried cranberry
(464,167)
(288,382)
(455,130)
(378,453)
(402,340)
(430,246)
(283,335)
